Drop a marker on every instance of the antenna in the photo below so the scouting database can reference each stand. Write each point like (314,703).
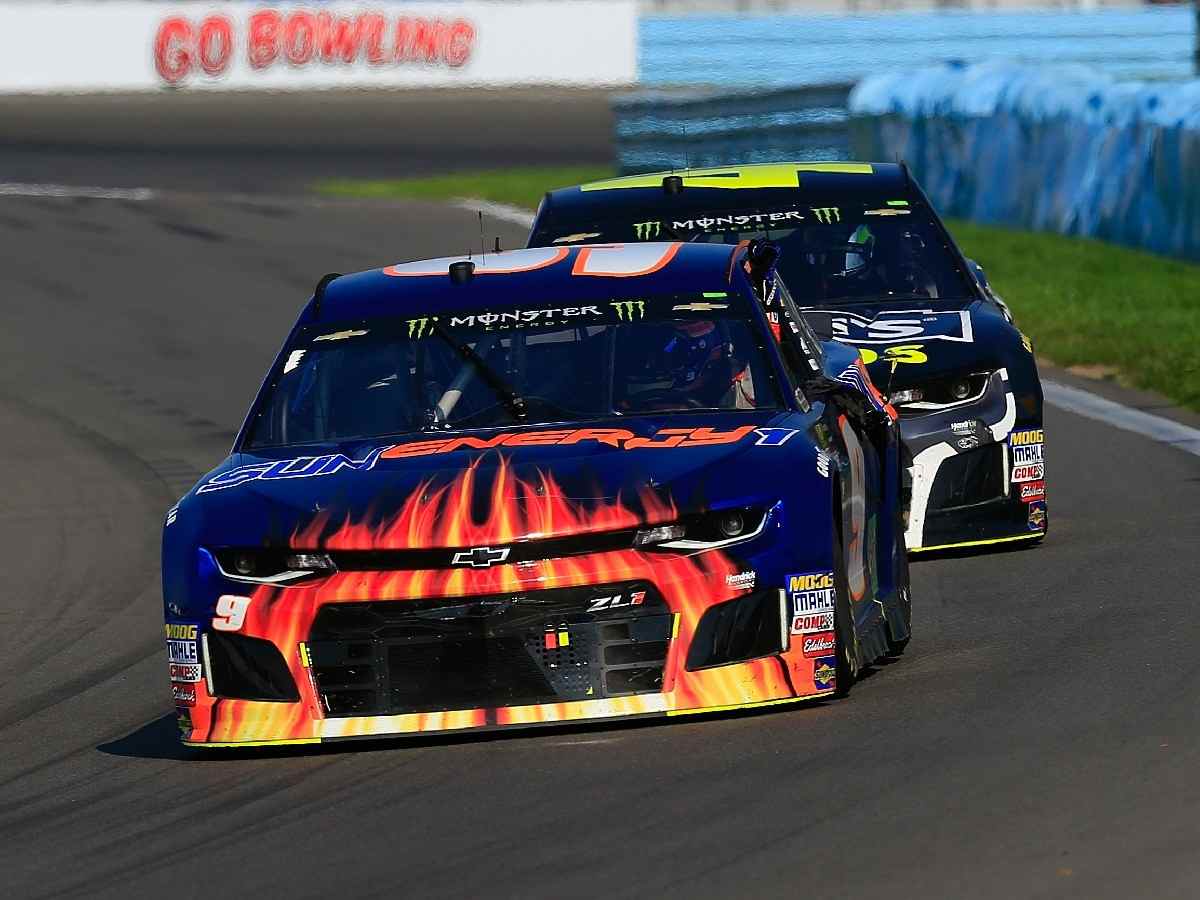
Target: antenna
(687,157)
(482,242)
(498,244)
(319,291)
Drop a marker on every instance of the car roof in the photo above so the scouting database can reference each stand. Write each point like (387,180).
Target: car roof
(731,187)
(530,276)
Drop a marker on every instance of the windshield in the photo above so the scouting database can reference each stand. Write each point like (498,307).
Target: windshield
(872,251)
(476,369)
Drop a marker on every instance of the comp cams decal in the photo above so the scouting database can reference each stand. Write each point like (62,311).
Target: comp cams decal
(812,599)
(1026,451)
(183,652)
(895,326)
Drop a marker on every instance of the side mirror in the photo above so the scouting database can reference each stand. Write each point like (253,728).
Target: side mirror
(977,271)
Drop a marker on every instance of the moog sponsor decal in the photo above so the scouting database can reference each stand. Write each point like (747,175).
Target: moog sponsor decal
(1027,461)
(813,599)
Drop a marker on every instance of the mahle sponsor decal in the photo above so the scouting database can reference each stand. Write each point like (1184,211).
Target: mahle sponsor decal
(811,593)
(1027,460)
(184,652)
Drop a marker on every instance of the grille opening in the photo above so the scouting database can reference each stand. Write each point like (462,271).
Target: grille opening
(622,654)
(970,478)
(388,657)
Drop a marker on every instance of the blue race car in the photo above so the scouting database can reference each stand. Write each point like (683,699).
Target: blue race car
(548,485)
(871,265)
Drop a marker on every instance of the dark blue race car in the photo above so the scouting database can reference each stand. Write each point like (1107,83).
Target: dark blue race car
(548,485)
(870,263)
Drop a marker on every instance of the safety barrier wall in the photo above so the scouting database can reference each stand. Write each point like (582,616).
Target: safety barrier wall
(242,45)
(660,129)
(1062,148)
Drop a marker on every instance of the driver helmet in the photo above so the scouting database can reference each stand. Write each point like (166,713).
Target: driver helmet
(860,250)
(693,345)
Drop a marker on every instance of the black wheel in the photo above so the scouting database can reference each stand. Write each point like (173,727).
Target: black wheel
(849,655)
(896,646)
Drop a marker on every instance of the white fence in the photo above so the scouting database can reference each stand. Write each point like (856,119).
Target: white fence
(131,46)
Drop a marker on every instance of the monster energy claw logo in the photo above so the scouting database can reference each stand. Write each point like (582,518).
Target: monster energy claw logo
(416,328)
(647,230)
(629,309)
(827,215)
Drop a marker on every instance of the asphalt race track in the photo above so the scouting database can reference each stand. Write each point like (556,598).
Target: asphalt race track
(1039,739)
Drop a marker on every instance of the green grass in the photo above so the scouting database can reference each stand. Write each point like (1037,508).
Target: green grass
(518,187)
(1087,303)
(1083,302)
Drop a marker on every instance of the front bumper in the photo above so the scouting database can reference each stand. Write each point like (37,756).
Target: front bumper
(968,485)
(619,634)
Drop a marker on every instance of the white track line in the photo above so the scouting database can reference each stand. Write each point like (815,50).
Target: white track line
(502,211)
(70,191)
(1126,418)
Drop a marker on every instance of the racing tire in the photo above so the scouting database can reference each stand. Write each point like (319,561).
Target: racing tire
(849,654)
(896,647)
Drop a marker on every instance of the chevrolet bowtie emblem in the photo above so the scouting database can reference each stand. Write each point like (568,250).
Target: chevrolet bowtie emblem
(480,557)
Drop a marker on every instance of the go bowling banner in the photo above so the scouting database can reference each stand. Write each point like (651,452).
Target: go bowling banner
(122,46)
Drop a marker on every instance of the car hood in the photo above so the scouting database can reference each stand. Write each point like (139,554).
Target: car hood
(910,342)
(526,483)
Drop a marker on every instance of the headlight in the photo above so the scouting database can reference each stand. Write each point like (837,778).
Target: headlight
(706,531)
(942,393)
(272,566)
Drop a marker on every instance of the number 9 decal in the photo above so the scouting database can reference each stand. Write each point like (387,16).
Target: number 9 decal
(231,612)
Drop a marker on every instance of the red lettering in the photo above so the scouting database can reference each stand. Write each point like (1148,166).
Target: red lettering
(460,42)
(416,448)
(707,437)
(474,443)
(373,25)
(671,437)
(215,44)
(300,38)
(610,436)
(262,48)
(425,42)
(535,438)
(339,38)
(172,53)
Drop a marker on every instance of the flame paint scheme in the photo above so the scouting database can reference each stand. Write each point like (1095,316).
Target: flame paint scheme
(542,570)
(971,486)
